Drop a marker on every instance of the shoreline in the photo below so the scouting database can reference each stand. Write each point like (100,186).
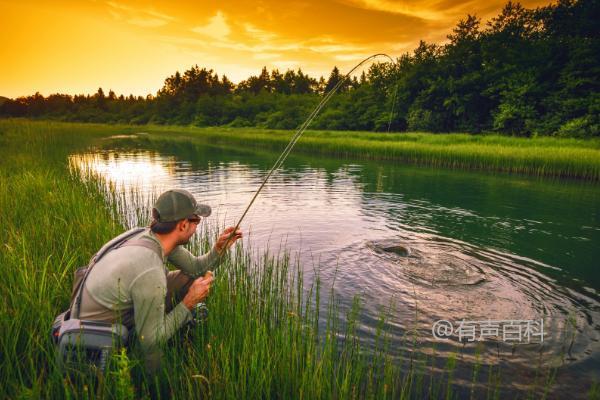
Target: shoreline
(543,156)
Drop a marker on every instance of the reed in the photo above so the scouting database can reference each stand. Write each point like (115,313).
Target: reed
(542,156)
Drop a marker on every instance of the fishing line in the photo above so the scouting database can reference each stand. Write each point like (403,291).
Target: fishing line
(394,98)
(301,130)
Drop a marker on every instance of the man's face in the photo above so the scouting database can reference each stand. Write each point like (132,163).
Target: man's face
(188,228)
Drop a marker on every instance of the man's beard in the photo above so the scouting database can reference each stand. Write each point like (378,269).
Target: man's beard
(184,242)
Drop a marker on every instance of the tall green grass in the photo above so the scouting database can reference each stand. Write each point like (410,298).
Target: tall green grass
(543,156)
(267,334)
(51,224)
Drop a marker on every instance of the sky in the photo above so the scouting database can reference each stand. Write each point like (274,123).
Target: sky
(131,46)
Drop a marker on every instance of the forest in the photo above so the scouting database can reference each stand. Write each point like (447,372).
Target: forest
(526,72)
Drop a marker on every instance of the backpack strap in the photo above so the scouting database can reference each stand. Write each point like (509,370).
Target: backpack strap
(155,247)
(114,243)
(110,245)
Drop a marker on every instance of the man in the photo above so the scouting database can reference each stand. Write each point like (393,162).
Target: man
(131,284)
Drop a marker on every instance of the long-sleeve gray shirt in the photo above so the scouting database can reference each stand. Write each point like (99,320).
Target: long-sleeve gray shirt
(129,285)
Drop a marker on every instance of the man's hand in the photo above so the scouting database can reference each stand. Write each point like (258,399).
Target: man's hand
(198,290)
(224,236)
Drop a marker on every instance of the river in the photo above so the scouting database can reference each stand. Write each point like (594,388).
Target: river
(470,248)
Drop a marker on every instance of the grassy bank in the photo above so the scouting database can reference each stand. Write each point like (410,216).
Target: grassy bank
(542,156)
(553,157)
(263,338)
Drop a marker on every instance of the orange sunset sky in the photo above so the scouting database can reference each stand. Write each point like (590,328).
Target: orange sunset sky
(131,46)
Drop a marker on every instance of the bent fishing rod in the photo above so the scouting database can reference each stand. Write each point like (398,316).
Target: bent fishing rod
(301,130)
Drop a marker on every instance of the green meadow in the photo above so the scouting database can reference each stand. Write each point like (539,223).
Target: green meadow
(267,335)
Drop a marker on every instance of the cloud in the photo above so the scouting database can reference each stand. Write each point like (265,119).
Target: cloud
(160,15)
(119,6)
(230,36)
(116,15)
(237,45)
(335,48)
(447,12)
(147,22)
(146,18)
(419,10)
(351,57)
(259,34)
(216,28)
(266,56)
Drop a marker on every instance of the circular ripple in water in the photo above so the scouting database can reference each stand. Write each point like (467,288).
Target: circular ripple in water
(441,278)
(433,266)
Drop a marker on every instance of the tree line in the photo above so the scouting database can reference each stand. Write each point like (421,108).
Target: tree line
(526,72)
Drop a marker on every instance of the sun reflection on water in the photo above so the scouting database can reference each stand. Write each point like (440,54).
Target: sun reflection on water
(137,170)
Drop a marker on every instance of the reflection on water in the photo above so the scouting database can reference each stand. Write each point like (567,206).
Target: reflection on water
(439,245)
(144,170)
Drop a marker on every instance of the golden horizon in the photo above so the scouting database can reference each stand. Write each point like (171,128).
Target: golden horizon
(130,47)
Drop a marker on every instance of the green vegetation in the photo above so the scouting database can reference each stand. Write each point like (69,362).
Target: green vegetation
(263,338)
(557,157)
(527,73)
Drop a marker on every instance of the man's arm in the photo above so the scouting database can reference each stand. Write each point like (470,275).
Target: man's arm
(197,266)
(152,325)
(192,265)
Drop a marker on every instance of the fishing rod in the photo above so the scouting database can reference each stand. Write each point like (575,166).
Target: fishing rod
(301,130)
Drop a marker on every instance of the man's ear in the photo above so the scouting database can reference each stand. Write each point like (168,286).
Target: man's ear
(182,225)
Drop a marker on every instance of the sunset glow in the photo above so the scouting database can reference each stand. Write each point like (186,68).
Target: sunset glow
(131,46)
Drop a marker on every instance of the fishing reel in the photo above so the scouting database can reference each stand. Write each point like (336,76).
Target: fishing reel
(199,314)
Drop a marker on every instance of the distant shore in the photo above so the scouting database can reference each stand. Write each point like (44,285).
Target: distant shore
(542,156)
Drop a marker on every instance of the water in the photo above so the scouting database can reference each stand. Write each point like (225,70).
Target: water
(460,245)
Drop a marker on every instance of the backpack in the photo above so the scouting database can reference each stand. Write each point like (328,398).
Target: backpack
(84,344)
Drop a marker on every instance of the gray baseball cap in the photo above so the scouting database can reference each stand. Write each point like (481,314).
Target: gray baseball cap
(177,204)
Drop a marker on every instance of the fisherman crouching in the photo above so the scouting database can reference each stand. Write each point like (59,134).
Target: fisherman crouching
(131,285)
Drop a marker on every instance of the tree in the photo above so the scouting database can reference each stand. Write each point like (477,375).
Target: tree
(528,71)
(334,78)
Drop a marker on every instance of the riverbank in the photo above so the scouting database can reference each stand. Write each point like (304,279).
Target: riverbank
(263,338)
(541,156)
(544,156)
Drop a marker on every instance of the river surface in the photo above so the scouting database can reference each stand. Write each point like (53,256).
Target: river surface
(482,250)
